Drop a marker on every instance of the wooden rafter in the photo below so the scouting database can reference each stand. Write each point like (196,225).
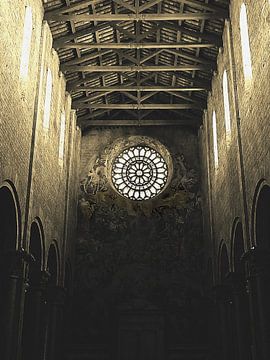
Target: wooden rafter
(132,62)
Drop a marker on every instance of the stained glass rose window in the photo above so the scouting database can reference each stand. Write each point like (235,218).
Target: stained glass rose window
(139,173)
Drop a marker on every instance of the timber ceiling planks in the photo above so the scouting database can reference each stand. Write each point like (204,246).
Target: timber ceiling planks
(135,61)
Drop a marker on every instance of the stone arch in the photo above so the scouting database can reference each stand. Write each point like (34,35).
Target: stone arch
(10,231)
(260,224)
(237,247)
(37,242)
(10,217)
(53,263)
(223,261)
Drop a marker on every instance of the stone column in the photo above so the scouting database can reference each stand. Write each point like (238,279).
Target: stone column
(241,316)
(14,290)
(258,278)
(33,331)
(224,304)
(55,313)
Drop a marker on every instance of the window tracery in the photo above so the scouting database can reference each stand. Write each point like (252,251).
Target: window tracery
(139,173)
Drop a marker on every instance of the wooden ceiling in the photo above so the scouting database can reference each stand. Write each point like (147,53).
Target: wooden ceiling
(137,62)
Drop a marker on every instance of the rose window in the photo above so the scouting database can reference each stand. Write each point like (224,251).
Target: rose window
(139,173)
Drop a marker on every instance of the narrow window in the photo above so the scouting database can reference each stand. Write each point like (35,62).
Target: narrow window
(246,56)
(226,105)
(215,144)
(62,136)
(47,104)
(26,44)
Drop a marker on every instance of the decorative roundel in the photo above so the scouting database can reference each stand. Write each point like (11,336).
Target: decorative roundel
(139,173)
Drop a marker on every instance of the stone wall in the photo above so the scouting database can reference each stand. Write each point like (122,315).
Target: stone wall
(138,256)
(29,157)
(229,190)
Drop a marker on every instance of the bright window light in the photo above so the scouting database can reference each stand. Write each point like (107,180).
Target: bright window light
(48,97)
(246,56)
(62,136)
(26,44)
(226,104)
(215,144)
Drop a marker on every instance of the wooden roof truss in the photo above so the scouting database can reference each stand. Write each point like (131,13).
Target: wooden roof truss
(137,62)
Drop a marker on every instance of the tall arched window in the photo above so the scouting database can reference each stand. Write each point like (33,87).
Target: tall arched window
(226,105)
(47,104)
(62,136)
(26,43)
(246,56)
(215,143)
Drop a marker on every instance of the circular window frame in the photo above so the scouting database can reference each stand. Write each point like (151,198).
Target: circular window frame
(123,144)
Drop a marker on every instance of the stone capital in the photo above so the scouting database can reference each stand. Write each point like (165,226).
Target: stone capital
(258,261)
(15,261)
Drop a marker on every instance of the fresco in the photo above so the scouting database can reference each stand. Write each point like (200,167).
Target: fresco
(138,254)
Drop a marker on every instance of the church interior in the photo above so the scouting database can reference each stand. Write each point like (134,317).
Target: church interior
(134,180)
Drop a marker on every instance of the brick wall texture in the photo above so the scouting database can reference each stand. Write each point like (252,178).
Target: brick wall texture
(29,153)
(229,190)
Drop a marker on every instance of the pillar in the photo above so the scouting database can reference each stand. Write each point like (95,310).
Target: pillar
(241,316)
(14,292)
(258,278)
(34,327)
(55,313)
(224,307)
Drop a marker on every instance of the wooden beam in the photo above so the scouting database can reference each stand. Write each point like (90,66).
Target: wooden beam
(71,8)
(190,57)
(133,68)
(182,121)
(134,17)
(138,88)
(148,5)
(140,106)
(130,45)
(125,5)
(204,6)
(57,43)
(211,38)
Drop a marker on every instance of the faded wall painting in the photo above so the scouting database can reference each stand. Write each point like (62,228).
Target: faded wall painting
(139,255)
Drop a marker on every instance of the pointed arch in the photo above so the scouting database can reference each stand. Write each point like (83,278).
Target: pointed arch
(237,246)
(223,261)
(260,219)
(53,263)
